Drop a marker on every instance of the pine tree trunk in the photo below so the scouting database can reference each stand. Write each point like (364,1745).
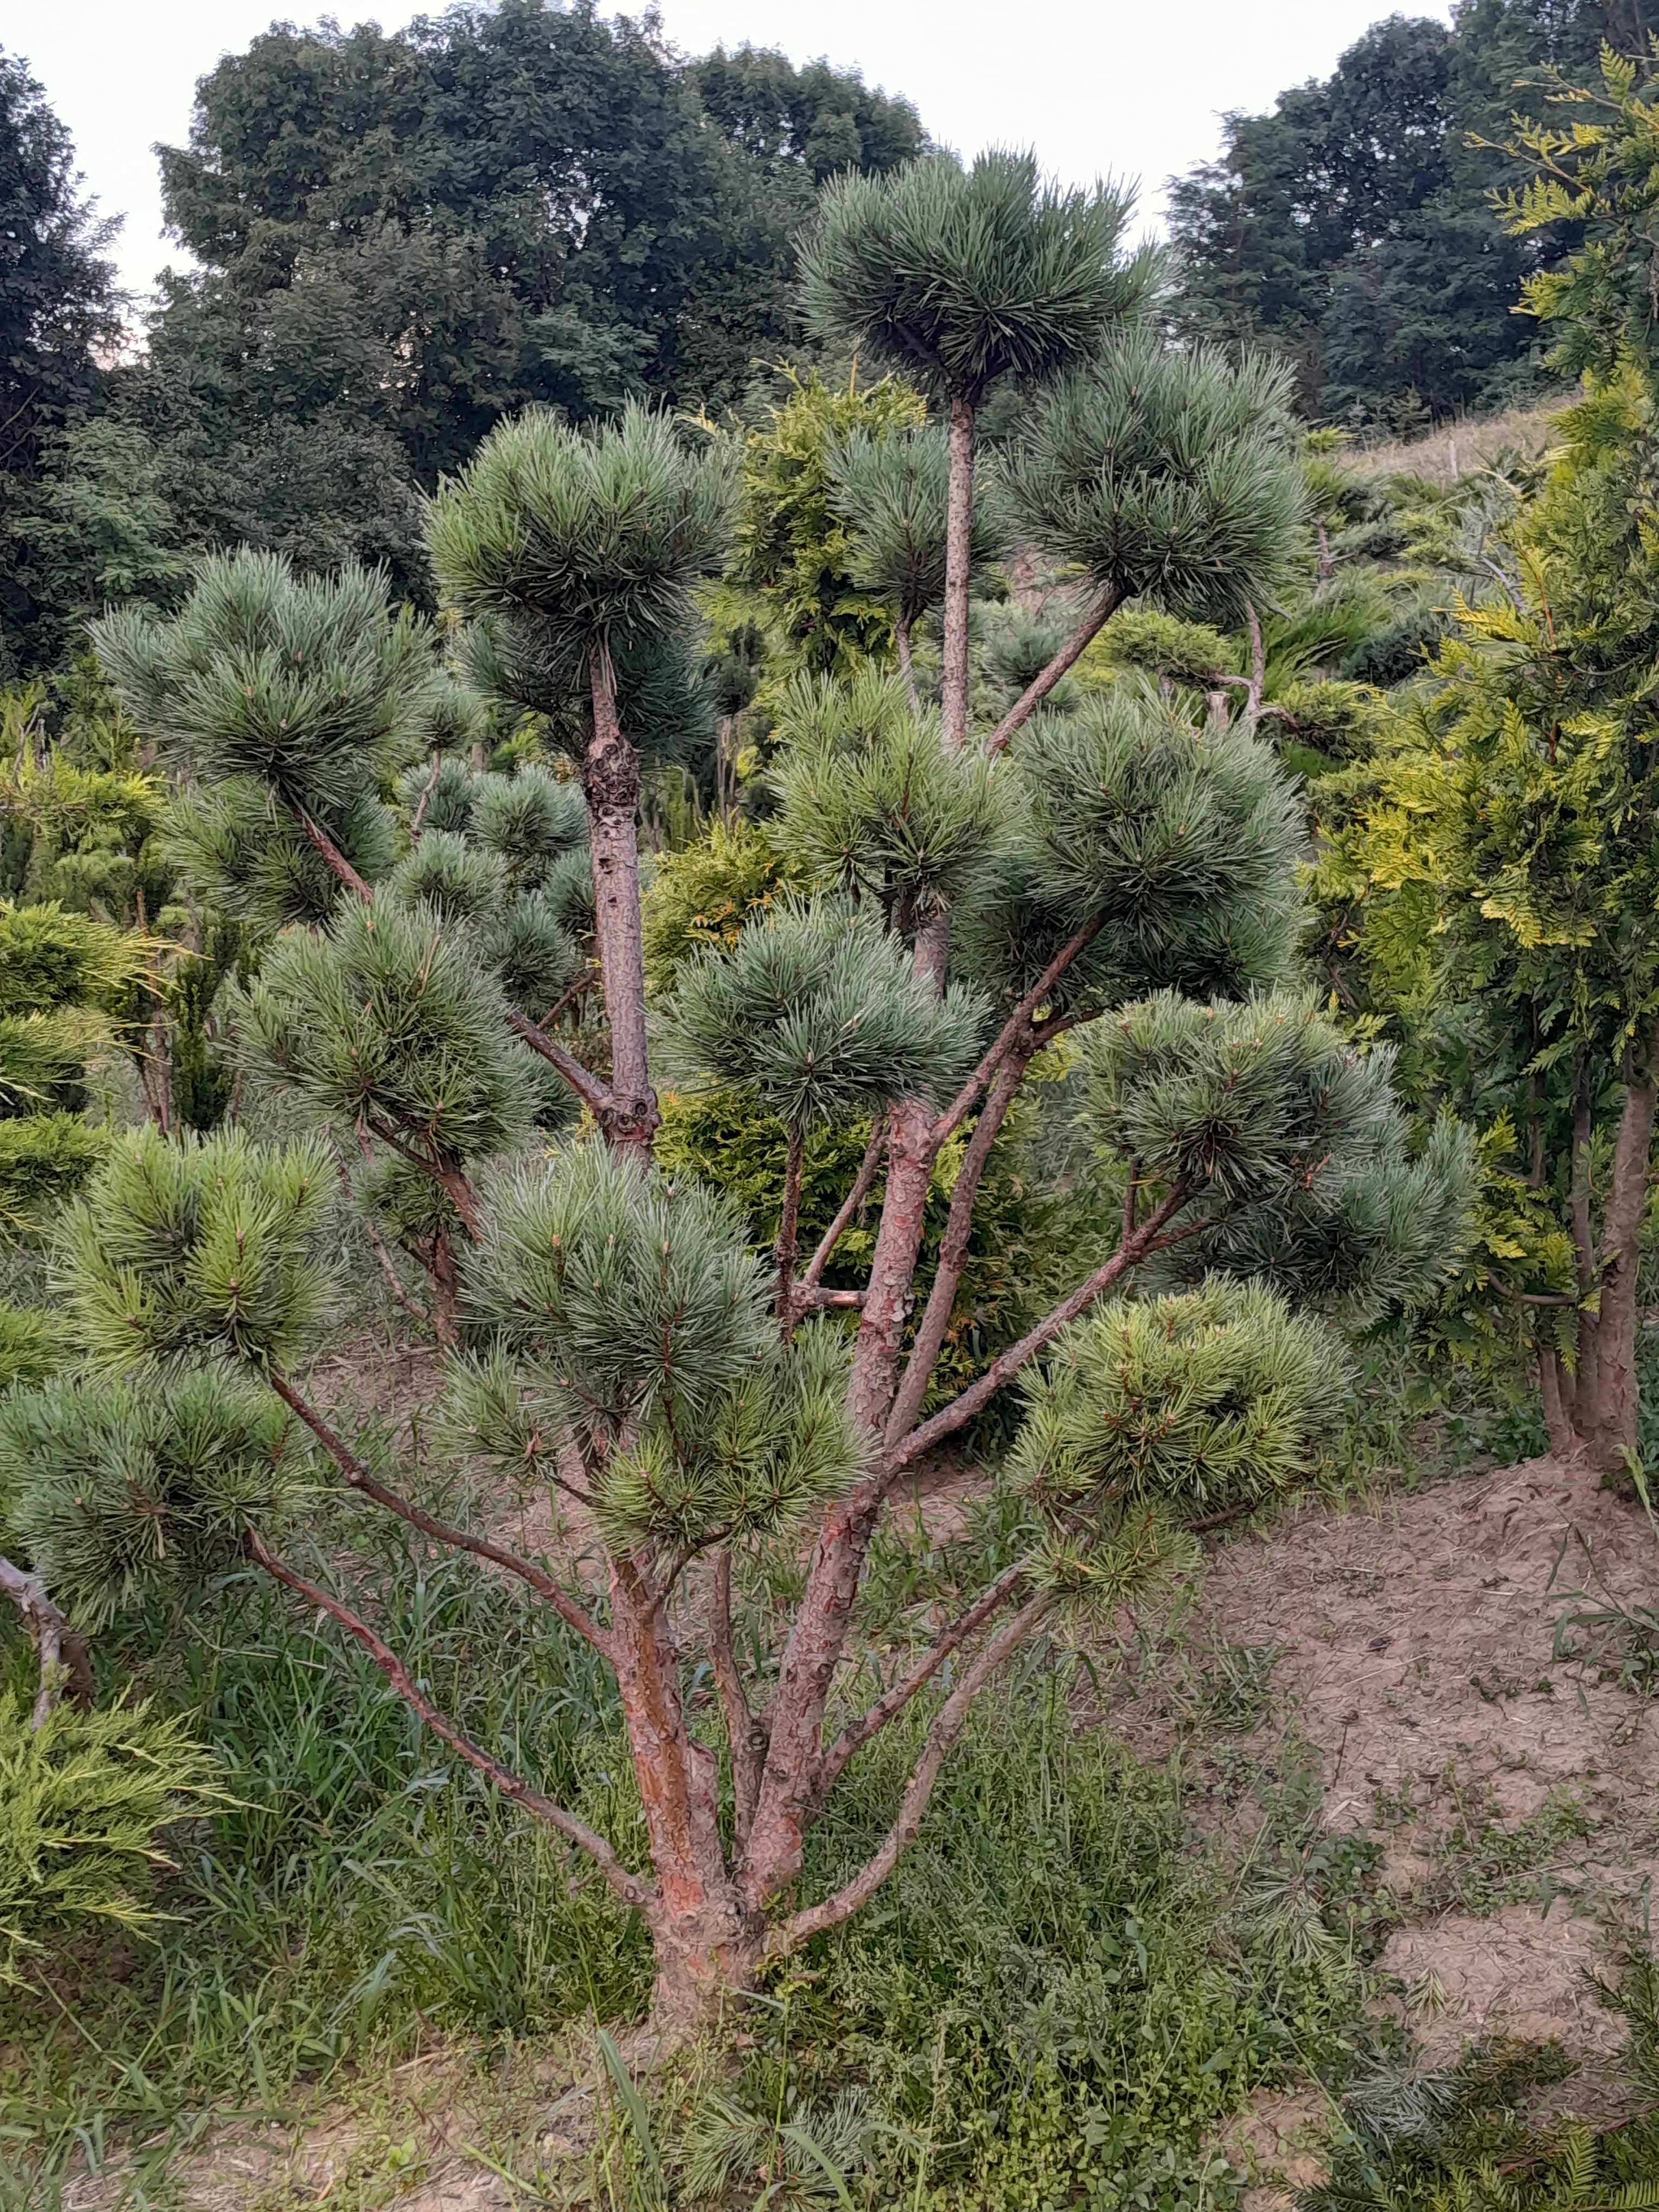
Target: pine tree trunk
(706,1964)
(610,780)
(958,560)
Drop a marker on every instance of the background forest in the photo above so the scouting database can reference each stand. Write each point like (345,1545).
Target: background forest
(791,956)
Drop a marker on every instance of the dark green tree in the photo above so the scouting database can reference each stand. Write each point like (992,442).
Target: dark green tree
(59,311)
(1351,230)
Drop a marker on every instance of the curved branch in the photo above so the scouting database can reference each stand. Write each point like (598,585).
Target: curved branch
(948,1725)
(627,1886)
(962,1408)
(582,1080)
(361,1479)
(953,1246)
(892,1702)
(1009,1035)
(334,860)
(850,1205)
(57,1643)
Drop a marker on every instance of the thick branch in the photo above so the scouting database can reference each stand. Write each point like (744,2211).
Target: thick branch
(850,1205)
(57,1645)
(892,1702)
(361,1479)
(334,859)
(627,1886)
(948,1725)
(585,1085)
(1014,1028)
(1042,684)
(962,1408)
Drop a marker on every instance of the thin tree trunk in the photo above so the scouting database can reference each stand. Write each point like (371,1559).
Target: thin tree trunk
(953,1249)
(1583,1239)
(610,779)
(951,1719)
(1557,1416)
(850,1205)
(1042,683)
(906,665)
(1608,1419)
(911,1152)
(789,1227)
(958,561)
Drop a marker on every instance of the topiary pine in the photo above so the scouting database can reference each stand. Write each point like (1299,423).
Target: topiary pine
(1169,476)
(1121,866)
(581,550)
(961,278)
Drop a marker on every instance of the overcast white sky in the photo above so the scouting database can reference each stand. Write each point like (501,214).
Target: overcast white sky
(1097,86)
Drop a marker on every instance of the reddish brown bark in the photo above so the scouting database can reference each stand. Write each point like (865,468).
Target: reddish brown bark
(958,561)
(953,1248)
(1044,682)
(610,779)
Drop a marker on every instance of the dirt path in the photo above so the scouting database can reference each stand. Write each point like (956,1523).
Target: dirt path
(1414,1650)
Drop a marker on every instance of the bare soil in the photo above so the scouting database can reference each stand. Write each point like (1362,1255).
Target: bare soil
(1415,1650)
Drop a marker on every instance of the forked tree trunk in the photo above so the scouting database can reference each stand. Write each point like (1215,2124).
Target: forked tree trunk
(958,560)
(610,780)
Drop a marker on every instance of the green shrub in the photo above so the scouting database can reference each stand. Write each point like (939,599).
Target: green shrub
(81,1800)
(703,894)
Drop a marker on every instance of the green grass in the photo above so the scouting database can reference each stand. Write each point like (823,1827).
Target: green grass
(1056,1981)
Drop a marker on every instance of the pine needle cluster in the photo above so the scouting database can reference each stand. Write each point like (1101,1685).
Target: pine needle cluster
(121,1492)
(195,1248)
(959,277)
(1196,1401)
(815,1014)
(1168,475)
(634,1362)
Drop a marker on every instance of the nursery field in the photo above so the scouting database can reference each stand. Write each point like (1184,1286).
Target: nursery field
(828,1237)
